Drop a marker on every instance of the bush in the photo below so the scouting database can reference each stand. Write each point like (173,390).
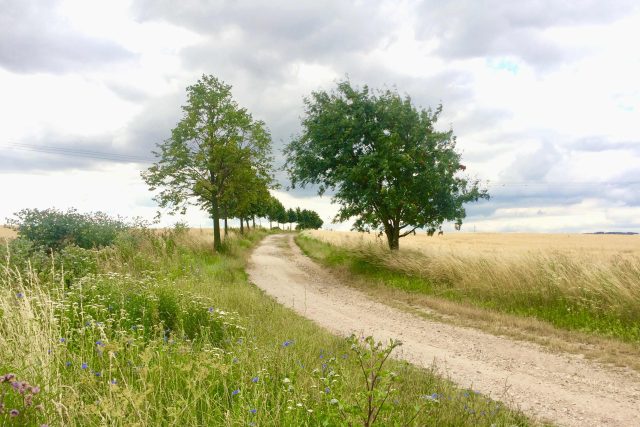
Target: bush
(52,229)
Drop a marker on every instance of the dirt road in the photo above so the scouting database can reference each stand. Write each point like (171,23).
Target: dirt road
(562,388)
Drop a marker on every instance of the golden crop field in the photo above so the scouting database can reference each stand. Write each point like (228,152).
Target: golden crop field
(585,282)
(7,233)
(496,244)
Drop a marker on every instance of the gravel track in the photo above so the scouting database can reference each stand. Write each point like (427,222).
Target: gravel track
(561,388)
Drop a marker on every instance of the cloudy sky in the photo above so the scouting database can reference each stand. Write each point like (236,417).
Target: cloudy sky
(543,95)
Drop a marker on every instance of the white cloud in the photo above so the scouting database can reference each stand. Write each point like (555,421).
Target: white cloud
(536,91)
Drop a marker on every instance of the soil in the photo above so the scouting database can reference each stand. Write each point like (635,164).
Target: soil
(564,389)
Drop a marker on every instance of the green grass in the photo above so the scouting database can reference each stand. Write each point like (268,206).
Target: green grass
(161,331)
(538,296)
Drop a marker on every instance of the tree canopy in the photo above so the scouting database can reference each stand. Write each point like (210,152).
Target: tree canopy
(308,219)
(216,155)
(386,164)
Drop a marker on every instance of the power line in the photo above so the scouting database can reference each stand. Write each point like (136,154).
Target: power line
(76,152)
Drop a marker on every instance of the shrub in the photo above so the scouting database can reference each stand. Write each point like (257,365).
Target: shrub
(53,229)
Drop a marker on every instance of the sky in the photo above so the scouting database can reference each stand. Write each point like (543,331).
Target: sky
(543,95)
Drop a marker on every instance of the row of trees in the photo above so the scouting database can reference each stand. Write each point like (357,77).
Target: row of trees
(304,218)
(219,158)
(380,156)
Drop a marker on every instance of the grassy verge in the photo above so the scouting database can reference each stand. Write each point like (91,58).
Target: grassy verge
(158,330)
(541,309)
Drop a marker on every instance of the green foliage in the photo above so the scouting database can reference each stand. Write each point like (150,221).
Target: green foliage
(308,220)
(383,159)
(168,333)
(52,229)
(276,211)
(216,157)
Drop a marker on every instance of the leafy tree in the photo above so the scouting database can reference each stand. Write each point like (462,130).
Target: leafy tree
(383,159)
(291,217)
(276,211)
(308,219)
(215,146)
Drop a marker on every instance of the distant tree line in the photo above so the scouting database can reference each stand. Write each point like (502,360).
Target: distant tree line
(304,218)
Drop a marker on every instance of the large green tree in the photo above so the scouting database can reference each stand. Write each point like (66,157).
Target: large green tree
(215,146)
(386,164)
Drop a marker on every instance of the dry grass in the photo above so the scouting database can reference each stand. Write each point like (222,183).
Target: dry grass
(7,233)
(498,244)
(591,284)
(576,293)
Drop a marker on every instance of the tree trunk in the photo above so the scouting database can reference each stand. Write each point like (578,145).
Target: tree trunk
(253,219)
(226,226)
(270,225)
(215,216)
(241,226)
(393,236)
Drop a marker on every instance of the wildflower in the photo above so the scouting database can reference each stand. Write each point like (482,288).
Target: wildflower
(19,295)
(84,366)
(235,392)
(239,340)
(327,390)
(333,401)
(100,343)
(67,364)
(35,390)
(287,343)
(286,380)
(324,366)
(14,413)
(114,381)
(235,360)
(253,411)
(210,309)
(63,340)
(255,379)
(98,373)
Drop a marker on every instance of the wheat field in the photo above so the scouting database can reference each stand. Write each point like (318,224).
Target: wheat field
(7,233)
(586,282)
(496,244)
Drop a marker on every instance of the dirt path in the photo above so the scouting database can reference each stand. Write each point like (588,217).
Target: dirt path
(562,388)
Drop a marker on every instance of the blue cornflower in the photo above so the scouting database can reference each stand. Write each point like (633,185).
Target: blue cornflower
(98,373)
(235,360)
(63,340)
(114,381)
(239,340)
(321,356)
(235,392)
(19,295)
(324,366)
(287,343)
(253,411)
(255,379)
(327,390)
(67,364)
(211,309)
(84,366)
(100,343)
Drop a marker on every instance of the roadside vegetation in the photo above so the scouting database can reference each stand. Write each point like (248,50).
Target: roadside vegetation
(589,294)
(156,329)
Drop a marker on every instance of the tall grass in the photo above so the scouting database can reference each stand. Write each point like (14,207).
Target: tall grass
(572,291)
(158,330)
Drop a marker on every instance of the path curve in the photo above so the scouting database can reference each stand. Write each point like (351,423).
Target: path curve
(562,388)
